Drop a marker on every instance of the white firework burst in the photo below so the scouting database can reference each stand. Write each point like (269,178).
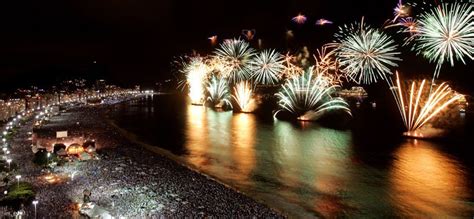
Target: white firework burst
(218,92)
(308,96)
(446,34)
(267,67)
(236,55)
(196,74)
(367,55)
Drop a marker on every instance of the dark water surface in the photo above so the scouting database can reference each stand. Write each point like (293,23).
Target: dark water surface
(307,169)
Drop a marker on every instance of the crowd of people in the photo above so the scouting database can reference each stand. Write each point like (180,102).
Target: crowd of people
(125,180)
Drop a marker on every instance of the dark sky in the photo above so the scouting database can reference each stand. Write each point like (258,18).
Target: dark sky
(134,41)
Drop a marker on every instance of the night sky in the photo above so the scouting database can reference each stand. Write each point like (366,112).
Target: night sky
(134,41)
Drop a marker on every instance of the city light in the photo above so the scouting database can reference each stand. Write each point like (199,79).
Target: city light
(35,202)
(9,161)
(18,177)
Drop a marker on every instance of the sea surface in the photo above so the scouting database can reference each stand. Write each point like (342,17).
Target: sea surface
(364,169)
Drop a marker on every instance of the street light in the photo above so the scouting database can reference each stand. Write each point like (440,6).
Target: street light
(72,175)
(9,161)
(18,179)
(35,202)
(48,155)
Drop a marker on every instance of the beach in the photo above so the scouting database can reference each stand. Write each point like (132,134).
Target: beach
(126,180)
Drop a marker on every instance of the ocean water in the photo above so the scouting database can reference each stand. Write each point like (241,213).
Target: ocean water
(362,170)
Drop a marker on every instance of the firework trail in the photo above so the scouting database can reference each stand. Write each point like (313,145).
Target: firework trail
(243,96)
(418,105)
(195,72)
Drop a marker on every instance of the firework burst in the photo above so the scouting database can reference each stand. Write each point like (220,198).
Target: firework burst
(322,22)
(267,67)
(236,55)
(367,54)
(446,33)
(218,92)
(299,19)
(218,66)
(418,106)
(308,96)
(243,96)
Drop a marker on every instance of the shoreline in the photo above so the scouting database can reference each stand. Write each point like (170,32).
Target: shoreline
(169,155)
(147,184)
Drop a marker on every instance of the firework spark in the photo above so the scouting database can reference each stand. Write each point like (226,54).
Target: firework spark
(267,67)
(418,106)
(249,34)
(243,96)
(348,30)
(289,34)
(196,72)
(218,92)
(236,55)
(309,97)
(213,40)
(291,68)
(322,22)
(400,11)
(410,24)
(218,66)
(328,64)
(299,19)
(446,33)
(366,55)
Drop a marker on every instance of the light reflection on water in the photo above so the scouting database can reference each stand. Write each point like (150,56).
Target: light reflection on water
(309,170)
(296,163)
(424,181)
(208,142)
